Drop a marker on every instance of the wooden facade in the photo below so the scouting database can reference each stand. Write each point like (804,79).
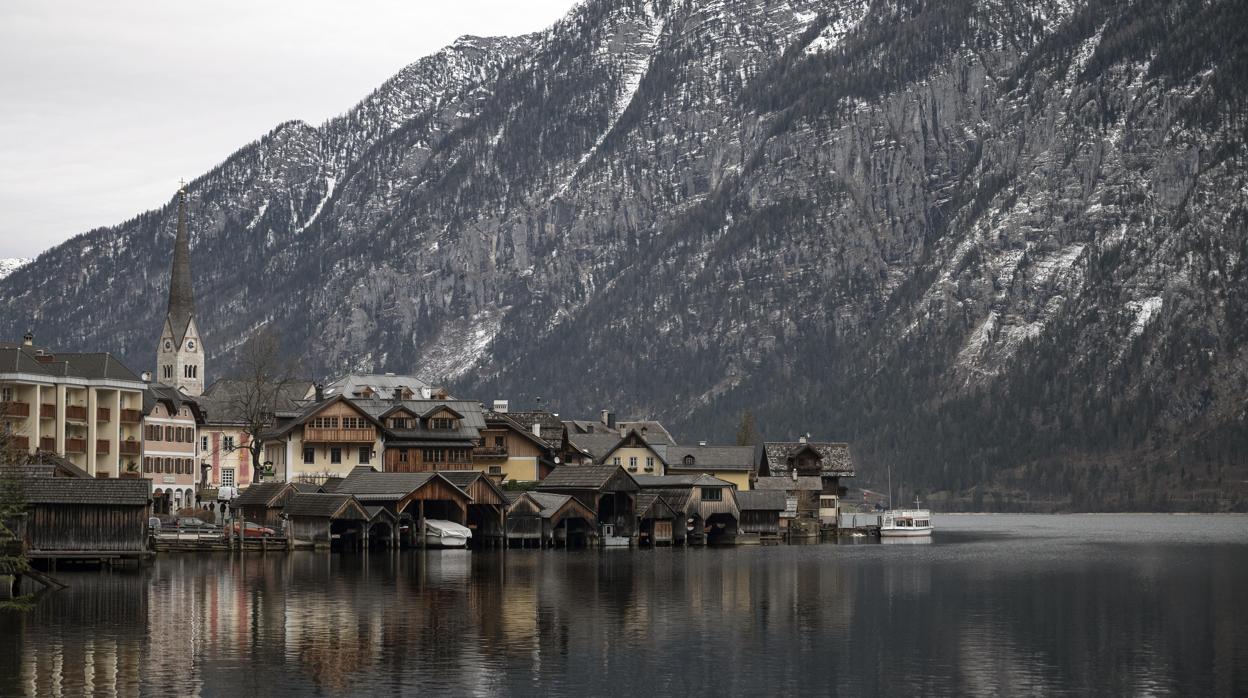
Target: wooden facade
(547,520)
(86,517)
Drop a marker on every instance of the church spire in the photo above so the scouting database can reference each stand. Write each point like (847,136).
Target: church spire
(181,290)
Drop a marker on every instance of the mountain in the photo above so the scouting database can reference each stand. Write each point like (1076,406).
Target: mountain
(999,248)
(11,264)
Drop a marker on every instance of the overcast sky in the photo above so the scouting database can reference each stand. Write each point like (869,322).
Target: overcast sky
(105,105)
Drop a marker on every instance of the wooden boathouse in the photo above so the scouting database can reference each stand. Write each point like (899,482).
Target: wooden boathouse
(71,518)
(658,523)
(487,510)
(606,490)
(262,503)
(412,497)
(548,520)
(322,520)
(707,504)
(760,515)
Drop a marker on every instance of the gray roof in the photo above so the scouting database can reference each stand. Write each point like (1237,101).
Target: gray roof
(552,426)
(550,503)
(596,445)
(220,401)
(699,480)
(654,432)
(181,288)
(17,358)
(370,485)
(579,477)
(761,500)
(45,464)
(382,385)
(261,493)
(171,397)
(321,504)
(712,457)
(834,456)
(646,500)
(69,490)
(786,484)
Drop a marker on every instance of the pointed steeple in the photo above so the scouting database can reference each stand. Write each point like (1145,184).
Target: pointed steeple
(181,290)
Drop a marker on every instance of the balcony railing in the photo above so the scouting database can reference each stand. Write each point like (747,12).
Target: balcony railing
(103,414)
(315,435)
(131,416)
(20,442)
(77,413)
(15,409)
(47,411)
(129,448)
(101,447)
(489,452)
(75,445)
(47,443)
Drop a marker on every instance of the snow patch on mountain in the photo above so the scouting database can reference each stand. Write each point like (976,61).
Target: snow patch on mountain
(12,264)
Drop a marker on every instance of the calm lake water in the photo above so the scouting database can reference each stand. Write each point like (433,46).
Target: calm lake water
(993,605)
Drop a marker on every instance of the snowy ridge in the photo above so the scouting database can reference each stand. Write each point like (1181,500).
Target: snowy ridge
(12,264)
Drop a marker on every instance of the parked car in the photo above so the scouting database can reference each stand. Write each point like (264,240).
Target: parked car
(251,531)
(154,524)
(191,524)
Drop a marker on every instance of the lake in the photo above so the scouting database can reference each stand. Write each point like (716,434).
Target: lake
(1001,604)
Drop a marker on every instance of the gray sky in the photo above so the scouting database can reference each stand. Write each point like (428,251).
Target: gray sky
(104,105)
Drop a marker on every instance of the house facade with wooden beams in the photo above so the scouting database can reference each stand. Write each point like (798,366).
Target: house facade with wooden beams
(427,435)
(509,450)
(606,490)
(326,439)
(84,407)
(829,461)
(708,504)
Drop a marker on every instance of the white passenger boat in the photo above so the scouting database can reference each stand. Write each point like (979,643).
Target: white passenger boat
(905,523)
(446,534)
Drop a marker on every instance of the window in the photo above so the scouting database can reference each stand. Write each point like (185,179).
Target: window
(649,462)
(177,434)
(688,460)
(615,461)
(166,371)
(365,453)
(325,423)
(400,423)
(309,455)
(6,394)
(402,455)
(499,441)
(442,423)
(632,462)
(227,477)
(353,423)
(227,442)
(203,444)
(168,466)
(168,433)
(434,455)
(335,455)
(712,494)
(147,465)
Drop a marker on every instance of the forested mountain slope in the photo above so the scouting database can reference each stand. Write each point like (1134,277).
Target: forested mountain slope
(999,246)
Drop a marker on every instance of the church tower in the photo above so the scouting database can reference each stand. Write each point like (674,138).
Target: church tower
(180,355)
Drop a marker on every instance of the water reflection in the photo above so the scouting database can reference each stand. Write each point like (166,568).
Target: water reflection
(983,616)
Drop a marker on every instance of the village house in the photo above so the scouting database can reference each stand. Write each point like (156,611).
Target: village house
(326,438)
(636,454)
(170,444)
(427,435)
(735,464)
(801,498)
(224,436)
(509,450)
(826,460)
(85,407)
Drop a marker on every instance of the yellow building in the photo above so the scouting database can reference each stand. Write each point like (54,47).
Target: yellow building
(513,450)
(636,455)
(735,464)
(86,407)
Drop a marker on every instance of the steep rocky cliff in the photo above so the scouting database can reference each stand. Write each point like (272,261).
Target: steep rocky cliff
(999,247)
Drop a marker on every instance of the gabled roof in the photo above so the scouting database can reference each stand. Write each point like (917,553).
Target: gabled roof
(713,457)
(761,500)
(552,506)
(18,358)
(382,385)
(220,401)
(551,425)
(311,410)
(494,420)
(464,479)
(441,408)
(271,494)
(341,507)
(834,456)
(97,491)
(588,477)
(623,442)
(45,464)
(652,505)
(595,445)
(369,485)
(692,480)
(172,398)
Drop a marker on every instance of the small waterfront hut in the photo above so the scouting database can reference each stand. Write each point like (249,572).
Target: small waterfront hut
(828,461)
(488,508)
(801,497)
(607,490)
(319,519)
(86,518)
(412,497)
(709,504)
(657,520)
(383,527)
(549,519)
(760,513)
(262,503)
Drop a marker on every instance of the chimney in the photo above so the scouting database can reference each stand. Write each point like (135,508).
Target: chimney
(320,392)
(602,417)
(426,393)
(28,339)
(502,406)
(801,439)
(610,420)
(701,443)
(146,376)
(537,429)
(793,474)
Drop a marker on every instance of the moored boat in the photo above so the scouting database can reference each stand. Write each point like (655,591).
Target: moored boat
(446,534)
(905,523)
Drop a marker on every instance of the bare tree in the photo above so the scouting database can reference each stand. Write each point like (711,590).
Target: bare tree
(12,512)
(263,378)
